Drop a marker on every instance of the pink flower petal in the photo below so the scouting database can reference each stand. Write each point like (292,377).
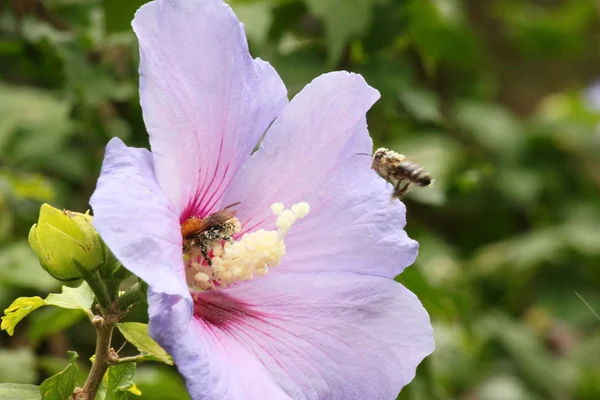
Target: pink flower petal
(331,335)
(214,368)
(310,154)
(206,102)
(136,221)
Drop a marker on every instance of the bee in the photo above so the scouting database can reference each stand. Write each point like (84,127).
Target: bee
(202,233)
(400,172)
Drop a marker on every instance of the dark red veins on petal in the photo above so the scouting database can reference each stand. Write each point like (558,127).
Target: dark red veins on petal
(200,206)
(221,310)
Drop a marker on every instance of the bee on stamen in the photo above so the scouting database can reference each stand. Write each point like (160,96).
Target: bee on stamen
(400,172)
(200,234)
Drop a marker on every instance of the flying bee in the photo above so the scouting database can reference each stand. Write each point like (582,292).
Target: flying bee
(400,172)
(202,233)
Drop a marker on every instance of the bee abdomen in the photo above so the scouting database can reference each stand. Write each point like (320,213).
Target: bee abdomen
(415,173)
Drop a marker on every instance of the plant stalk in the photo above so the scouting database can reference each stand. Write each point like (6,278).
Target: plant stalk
(104,329)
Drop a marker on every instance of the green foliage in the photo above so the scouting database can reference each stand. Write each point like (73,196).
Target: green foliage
(19,366)
(118,382)
(18,310)
(61,385)
(490,97)
(80,298)
(137,334)
(15,391)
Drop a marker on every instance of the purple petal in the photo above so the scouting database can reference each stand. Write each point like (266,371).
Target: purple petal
(214,368)
(206,102)
(136,221)
(354,227)
(332,335)
(310,154)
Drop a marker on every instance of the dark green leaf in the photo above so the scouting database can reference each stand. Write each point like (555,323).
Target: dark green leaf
(51,320)
(343,19)
(119,380)
(118,14)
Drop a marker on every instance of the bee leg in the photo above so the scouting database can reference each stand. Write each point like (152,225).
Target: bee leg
(204,252)
(400,189)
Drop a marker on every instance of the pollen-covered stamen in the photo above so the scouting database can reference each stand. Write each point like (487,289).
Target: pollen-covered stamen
(255,252)
(214,260)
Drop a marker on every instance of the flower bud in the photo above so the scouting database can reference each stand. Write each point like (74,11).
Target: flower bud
(60,237)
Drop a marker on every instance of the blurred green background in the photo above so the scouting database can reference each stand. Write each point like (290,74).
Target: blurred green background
(490,96)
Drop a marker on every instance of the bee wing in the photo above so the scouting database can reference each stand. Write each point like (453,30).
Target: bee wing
(196,225)
(219,217)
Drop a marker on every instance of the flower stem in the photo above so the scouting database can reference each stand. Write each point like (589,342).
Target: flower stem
(96,284)
(104,329)
(135,359)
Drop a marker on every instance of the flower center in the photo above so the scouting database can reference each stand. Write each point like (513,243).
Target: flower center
(215,260)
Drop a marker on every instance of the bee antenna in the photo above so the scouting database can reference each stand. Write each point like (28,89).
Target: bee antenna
(364,154)
(232,205)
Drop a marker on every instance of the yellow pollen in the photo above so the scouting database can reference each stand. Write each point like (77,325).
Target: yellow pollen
(252,254)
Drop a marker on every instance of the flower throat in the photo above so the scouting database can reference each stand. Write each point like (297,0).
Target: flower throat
(214,259)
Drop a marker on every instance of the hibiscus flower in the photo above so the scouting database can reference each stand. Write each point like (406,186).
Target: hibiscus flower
(253,300)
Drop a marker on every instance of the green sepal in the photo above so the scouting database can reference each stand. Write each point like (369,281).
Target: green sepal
(59,236)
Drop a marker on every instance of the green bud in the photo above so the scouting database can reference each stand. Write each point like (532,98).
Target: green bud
(60,237)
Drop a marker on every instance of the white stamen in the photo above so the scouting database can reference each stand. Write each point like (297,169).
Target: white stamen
(201,277)
(277,208)
(255,252)
(301,209)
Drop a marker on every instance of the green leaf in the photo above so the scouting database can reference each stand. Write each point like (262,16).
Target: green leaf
(79,298)
(33,124)
(440,34)
(492,126)
(52,365)
(421,104)
(118,381)
(28,186)
(13,391)
(137,334)
(343,20)
(50,321)
(536,364)
(18,264)
(257,18)
(20,365)
(61,385)
(18,310)
(159,382)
